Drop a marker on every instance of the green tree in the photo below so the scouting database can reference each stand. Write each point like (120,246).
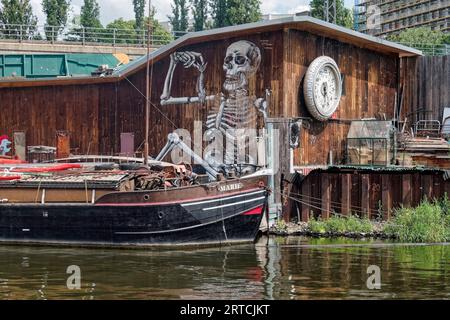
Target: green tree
(419,36)
(139,13)
(90,21)
(344,16)
(160,36)
(123,31)
(219,13)
(17,12)
(447,39)
(90,14)
(179,18)
(243,11)
(57,13)
(430,41)
(200,12)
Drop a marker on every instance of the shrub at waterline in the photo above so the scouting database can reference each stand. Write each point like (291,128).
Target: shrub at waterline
(429,222)
(340,225)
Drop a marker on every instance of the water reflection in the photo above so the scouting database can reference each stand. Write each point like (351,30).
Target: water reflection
(274,268)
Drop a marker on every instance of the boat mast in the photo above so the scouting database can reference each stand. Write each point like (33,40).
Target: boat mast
(147,93)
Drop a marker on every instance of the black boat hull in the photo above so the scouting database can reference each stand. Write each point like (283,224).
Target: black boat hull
(221,220)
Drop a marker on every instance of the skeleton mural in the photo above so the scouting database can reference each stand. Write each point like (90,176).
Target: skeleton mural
(237,112)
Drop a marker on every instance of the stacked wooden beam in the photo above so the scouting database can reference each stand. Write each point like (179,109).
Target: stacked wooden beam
(424,145)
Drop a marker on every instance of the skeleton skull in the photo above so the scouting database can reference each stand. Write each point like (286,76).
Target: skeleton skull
(242,61)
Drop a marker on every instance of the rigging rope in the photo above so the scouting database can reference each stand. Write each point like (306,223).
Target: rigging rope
(314,206)
(140,92)
(319,200)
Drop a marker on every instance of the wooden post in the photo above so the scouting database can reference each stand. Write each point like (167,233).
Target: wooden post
(406,190)
(279,155)
(306,191)
(437,190)
(365,196)
(346,196)
(427,185)
(386,196)
(286,203)
(326,196)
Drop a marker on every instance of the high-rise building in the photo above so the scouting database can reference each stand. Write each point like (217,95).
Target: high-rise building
(386,17)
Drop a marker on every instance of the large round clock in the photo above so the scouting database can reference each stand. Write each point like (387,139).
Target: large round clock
(323,88)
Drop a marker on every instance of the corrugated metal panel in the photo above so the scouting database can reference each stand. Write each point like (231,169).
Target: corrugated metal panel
(53,65)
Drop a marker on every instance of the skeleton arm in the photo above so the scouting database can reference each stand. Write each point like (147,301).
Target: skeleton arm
(262,104)
(175,141)
(188,59)
(168,83)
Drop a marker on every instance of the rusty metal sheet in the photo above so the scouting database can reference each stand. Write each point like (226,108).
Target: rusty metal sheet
(127,144)
(62,144)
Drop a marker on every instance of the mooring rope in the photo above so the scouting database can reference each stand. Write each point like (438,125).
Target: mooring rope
(311,205)
(319,201)
(223,226)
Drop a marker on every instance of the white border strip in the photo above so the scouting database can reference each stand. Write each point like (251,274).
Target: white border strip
(233,204)
(222,199)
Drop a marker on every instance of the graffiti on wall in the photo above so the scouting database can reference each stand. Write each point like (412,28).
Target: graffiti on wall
(238,109)
(4,145)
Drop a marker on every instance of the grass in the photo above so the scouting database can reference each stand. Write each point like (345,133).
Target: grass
(428,223)
(339,224)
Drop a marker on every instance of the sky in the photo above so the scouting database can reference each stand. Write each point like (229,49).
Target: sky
(114,9)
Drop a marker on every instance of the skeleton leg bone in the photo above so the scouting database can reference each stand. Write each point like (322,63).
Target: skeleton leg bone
(175,141)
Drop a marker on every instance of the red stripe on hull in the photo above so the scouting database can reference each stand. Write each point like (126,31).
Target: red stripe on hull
(254,212)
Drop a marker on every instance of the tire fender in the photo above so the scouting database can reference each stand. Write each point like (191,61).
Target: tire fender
(318,112)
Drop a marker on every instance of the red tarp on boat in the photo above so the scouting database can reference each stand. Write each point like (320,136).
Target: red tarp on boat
(11,161)
(56,168)
(10,178)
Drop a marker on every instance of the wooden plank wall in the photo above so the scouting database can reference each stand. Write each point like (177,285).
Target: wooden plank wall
(371,81)
(42,111)
(426,82)
(367,194)
(96,115)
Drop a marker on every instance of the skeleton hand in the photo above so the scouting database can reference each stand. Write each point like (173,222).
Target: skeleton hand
(191,59)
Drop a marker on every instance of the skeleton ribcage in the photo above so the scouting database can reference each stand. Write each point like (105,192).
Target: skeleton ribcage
(235,120)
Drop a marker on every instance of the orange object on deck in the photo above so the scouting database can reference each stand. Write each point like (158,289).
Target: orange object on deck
(11,161)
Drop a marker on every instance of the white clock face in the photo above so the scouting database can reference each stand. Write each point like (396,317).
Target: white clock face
(322,88)
(326,89)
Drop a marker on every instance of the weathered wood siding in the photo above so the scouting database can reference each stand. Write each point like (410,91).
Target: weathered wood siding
(41,111)
(96,114)
(370,86)
(364,193)
(426,83)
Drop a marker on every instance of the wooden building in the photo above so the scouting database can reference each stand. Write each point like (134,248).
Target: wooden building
(95,111)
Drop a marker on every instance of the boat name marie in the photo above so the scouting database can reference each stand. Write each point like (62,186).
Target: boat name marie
(230,187)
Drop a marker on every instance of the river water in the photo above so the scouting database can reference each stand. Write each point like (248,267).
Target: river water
(273,268)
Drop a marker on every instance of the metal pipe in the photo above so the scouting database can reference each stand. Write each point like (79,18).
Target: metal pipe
(147,95)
